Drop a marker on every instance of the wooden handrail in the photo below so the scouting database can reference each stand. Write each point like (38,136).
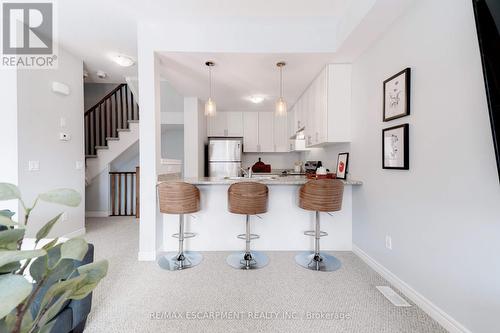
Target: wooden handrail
(105,98)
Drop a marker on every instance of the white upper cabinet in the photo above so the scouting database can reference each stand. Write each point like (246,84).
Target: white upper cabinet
(234,123)
(217,126)
(266,132)
(281,136)
(250,132)
(225,124)
(325,107)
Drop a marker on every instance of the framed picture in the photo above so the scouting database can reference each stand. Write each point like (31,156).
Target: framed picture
(395,148)
(397,95)
(342,161)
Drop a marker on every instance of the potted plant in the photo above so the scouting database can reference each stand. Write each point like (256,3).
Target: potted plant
(37,284)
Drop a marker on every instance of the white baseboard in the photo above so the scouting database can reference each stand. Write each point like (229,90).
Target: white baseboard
(97,213)
(444,319)
(76,233)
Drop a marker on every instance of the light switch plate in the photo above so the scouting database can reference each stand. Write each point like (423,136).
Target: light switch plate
(33,165)
(78,165)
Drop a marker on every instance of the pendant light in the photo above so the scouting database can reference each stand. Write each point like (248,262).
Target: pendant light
(281,103)
(210,107)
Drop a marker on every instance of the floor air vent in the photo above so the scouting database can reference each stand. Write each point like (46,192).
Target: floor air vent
(392,296)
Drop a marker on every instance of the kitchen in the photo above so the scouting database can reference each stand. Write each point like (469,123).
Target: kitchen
(282,138)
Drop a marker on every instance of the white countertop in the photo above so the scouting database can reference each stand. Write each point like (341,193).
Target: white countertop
(268,180)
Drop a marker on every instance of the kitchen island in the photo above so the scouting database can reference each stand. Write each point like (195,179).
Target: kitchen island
(280,229)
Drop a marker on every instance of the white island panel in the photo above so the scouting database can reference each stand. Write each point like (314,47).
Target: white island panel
(280,229)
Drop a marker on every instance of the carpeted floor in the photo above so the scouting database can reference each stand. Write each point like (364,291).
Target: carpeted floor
(213,297)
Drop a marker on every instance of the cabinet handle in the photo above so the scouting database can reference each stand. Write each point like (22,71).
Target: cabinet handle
(225,132)
(291,146)
(298,124)
(317,135)
(274,147)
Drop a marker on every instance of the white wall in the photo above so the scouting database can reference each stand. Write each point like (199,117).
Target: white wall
(328,156)
(444,213)
(39,113)
(172,142)
(195,137)
(277,160)
(9,168)
(94,92)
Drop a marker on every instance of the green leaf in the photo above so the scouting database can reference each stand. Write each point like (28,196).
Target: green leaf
(75,248)
(38,268)
(7,221)
(6,257)
(9,268)
(9,238)
(44,231)
(14,289)
(7,213)
(93,273)
(50,244)
(62,271)
(55,308)
(9,191)
(60,291)
(63,196)
(48,327)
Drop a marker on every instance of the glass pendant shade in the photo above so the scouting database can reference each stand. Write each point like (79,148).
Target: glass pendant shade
(210,108)
(280,107)
(280,110)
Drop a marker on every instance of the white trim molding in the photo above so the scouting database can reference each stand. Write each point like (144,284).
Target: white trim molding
(444,319)
(96,213)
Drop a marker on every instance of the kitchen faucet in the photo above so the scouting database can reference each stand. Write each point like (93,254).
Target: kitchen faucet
(248,172)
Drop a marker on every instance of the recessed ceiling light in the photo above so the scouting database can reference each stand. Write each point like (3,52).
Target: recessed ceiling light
(256,99)
(123,60)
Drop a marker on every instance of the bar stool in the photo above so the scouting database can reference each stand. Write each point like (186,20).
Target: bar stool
(323,195)
(247,198)
(179,198)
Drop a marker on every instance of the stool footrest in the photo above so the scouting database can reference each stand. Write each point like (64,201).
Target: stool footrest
(313,233)
(252,236)
(186,235)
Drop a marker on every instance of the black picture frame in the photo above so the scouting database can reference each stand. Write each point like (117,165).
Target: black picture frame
(405,145)
(407,90)
(346,166)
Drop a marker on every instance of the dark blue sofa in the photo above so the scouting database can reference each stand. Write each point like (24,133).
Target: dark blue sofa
(73,316)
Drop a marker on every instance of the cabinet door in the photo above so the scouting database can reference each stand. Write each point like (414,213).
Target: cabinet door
(266,129)
(250,132)
(234,123)
(281,136)
(217,126)
(322,107)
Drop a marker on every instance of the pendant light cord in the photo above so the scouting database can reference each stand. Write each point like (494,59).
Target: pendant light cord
(281,81)
(210,79)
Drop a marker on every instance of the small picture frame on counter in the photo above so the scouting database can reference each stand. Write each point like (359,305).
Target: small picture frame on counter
(395,147)
(342,164)
(397,95)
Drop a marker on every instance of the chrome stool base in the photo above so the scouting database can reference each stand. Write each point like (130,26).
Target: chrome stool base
(170,260)
(239,260)
(323,262)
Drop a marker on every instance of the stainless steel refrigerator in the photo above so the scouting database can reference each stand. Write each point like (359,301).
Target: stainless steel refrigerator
(224,157)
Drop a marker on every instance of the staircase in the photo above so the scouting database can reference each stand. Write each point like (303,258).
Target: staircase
(111,126)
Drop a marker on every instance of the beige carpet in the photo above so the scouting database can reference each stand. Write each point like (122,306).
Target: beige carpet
(213,297)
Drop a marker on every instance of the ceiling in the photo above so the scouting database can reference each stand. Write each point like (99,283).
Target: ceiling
(237,76)
(95,29)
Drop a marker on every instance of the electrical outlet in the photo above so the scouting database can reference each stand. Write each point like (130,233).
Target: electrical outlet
(388,242)
(78,165)
(62,122)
